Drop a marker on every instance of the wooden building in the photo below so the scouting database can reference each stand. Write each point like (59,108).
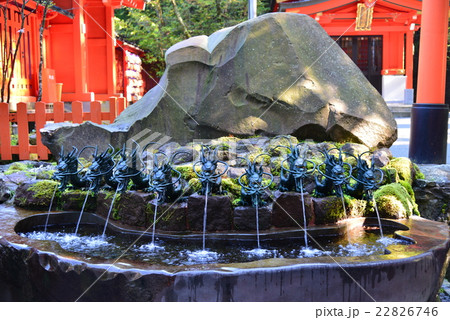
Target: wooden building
(80,49)
(376,34)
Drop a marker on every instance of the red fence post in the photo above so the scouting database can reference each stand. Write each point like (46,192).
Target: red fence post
(77,112)
(5,132)
(112,109)
(58,111)
(22,125)
(40,120)
(96,112)
(121,102)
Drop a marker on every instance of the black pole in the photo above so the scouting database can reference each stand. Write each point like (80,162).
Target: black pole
(428,139)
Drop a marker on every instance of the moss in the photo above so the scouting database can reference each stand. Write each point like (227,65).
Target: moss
(236,202)
(333,209)
(232,187)
(408,188)
(18,167)
(275,165)
(273,186)
(355,207)
(444,208)
(20,201)
(77,197)
(390,175)
(280,141)
(388,198)
(44,189)
(404,168)
(391,207)
(418,173)
(187,172)
(195,185)
(229,139)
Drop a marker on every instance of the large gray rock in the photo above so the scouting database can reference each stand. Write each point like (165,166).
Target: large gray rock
(279,73)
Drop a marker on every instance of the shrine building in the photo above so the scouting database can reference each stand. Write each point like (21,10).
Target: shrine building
(82,58)
(376,34)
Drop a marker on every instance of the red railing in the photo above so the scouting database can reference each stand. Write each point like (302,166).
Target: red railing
(40,116)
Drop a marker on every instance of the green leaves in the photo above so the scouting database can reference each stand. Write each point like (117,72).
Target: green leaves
(166,22)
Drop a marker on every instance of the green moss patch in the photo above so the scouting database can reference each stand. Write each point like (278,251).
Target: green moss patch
(394,201)
(18,167)
(405,170)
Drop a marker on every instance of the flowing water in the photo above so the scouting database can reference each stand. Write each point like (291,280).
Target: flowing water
(205,213)
(152,244)
(304,214)
(378,215)
(82,210)
(109,212)
(50,207)
(89,243)
(257,223)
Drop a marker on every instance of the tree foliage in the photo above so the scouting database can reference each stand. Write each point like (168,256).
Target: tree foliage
(166,22)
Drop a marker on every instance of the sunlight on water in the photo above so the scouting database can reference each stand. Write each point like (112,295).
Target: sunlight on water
(151,247)
(358,250)
(386,241)
(308,252)
(90,243)
(202,256)
(72,242)
(259,252)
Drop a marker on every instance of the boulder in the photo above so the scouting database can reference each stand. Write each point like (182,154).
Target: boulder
(5,193)
(279,73)
(35,195)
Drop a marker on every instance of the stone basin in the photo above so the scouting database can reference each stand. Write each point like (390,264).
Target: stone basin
(33,270)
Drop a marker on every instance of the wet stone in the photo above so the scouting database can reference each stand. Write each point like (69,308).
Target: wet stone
(219,213)
(131,208)
(245,218)
(169,216)
(104,199)
(288,211)
(328,210)
(73,200)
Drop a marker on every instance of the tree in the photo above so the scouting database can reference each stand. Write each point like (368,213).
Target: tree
(166,22)
(11,45)
(46,5)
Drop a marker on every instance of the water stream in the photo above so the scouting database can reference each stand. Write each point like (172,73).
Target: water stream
(154,220)
(257,223)
(378,215)
(50,207)
(205,213)
(82,210)
(109,212)
(304,215)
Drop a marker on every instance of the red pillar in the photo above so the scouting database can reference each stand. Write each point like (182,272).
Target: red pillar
(433,52)
(409,54)
(429,116)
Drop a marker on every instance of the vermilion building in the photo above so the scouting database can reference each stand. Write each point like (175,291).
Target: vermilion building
(376,34)
(80,49)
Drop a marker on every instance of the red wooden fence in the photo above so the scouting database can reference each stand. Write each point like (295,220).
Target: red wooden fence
(40,116)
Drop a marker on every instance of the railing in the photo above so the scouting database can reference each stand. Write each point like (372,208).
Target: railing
(40,116)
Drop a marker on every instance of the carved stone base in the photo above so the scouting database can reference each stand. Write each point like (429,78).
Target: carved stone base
(245,218)
(219,213)
(288,210)
(169,216)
